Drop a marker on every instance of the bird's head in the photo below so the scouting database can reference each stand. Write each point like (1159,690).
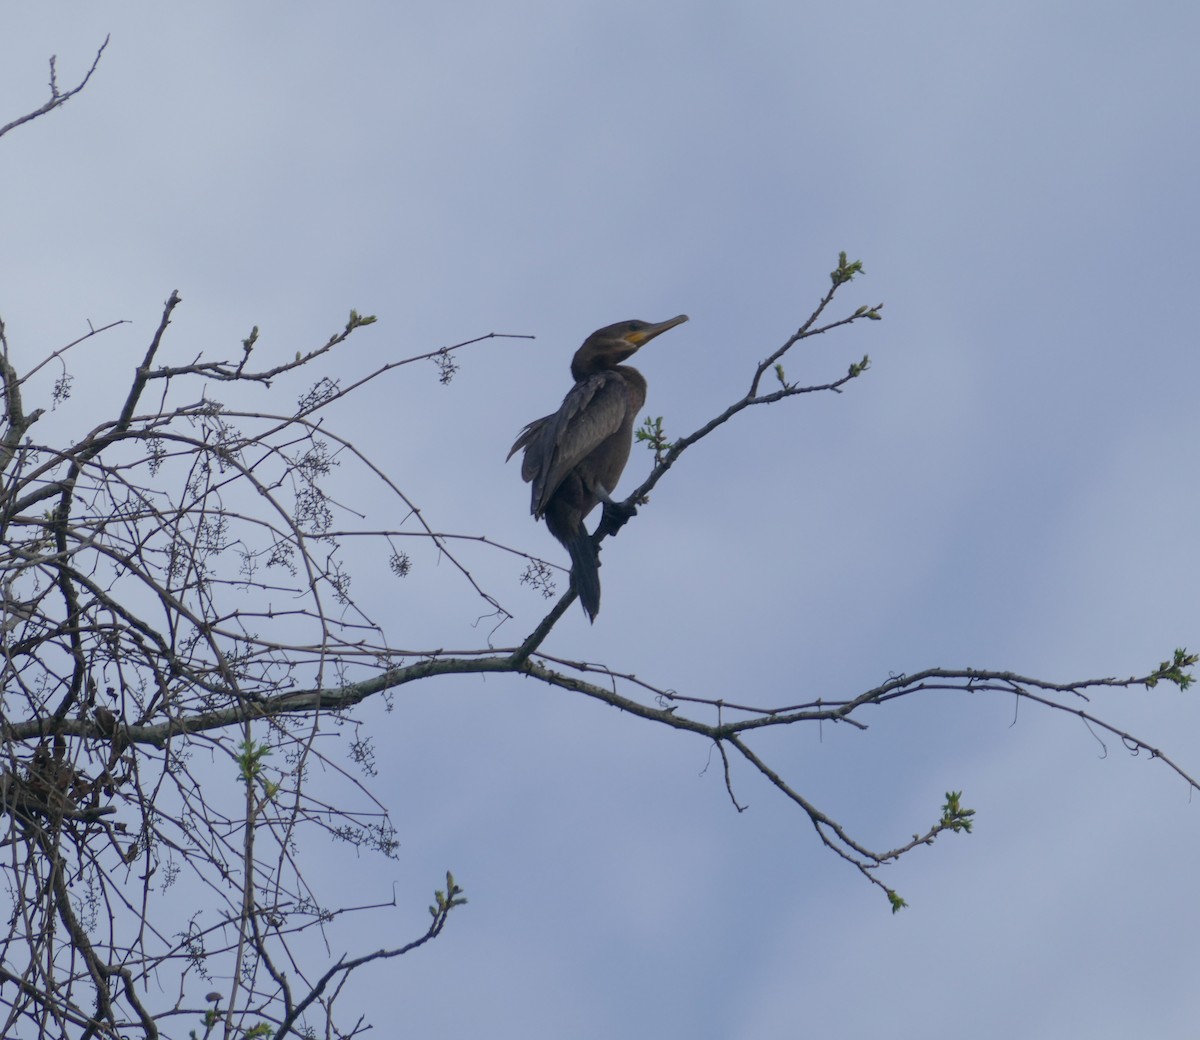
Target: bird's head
(607,347)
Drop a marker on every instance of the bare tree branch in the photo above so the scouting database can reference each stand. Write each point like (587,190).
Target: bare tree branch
(58,98)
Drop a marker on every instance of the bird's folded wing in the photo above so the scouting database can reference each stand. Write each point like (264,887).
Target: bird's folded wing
(592,412)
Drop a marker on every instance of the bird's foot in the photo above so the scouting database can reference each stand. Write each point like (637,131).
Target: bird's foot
(615,516)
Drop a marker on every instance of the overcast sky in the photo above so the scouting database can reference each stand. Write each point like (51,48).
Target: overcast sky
(1012,484)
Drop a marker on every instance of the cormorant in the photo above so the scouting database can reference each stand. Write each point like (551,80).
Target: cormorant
(574,457)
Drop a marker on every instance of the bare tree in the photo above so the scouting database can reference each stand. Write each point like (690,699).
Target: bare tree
(163,714)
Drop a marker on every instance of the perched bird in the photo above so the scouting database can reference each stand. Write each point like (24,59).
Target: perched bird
(574,457)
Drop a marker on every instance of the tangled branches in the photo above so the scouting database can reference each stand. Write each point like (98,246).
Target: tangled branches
(142,571)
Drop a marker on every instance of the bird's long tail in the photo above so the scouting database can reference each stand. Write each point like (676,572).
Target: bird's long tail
(585,570)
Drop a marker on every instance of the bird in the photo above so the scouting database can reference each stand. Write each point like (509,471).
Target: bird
(574,457)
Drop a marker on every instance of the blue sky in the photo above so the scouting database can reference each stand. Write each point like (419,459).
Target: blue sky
(1012,485)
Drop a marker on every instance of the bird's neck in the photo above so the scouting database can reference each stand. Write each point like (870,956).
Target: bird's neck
(636,381)
(627,372)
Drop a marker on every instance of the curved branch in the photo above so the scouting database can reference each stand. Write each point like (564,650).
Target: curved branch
(57,98)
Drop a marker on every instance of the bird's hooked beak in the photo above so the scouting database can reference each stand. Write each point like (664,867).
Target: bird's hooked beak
(612,344)
(642,336)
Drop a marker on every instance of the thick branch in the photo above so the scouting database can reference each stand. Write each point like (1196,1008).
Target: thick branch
(340,699)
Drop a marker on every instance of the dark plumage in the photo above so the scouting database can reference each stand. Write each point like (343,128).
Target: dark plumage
(575,457)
